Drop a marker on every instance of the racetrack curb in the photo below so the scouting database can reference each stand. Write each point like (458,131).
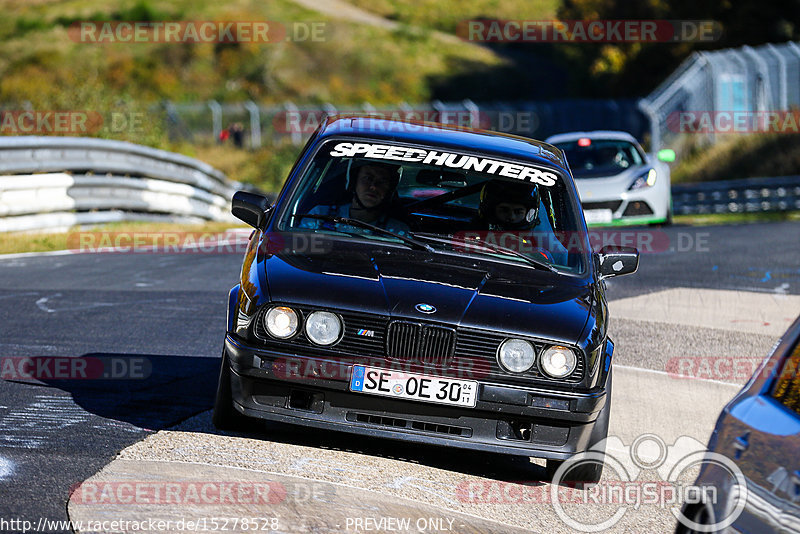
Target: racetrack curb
(375,478)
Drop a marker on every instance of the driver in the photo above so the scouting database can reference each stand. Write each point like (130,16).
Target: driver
(372,193)
(514,207)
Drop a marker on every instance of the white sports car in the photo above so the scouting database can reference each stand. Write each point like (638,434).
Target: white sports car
(617,181)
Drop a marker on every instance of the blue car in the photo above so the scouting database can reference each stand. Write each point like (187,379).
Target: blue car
(427,284)
(759,431)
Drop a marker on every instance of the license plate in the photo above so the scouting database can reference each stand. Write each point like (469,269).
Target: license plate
(597,216)
(402,385)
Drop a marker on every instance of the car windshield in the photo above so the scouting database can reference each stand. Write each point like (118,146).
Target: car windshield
(596,158)
(440,200)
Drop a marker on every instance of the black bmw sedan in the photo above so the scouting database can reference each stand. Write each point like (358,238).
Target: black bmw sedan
(424,283)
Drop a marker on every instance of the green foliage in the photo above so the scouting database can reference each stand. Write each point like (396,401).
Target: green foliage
(40,59)
(634,69)
(741,157)
(267,168)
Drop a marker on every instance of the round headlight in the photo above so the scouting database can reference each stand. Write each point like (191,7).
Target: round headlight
(281,322)
(516,355)
(323,328)
(558,361)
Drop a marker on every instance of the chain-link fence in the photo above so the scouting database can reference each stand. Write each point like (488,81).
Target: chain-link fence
(739,90)
(742,90)
(212,121)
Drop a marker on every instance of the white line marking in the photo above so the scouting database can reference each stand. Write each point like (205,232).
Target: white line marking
(41,421)
(13,295)
(6,468)
(36,254)
(42,304)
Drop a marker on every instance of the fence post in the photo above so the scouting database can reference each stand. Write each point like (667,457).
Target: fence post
(783,90)
(216,118)
(655,125)
(296,134)
(762,101)
(255,124)
(474,113)
(329,110)
(796,49)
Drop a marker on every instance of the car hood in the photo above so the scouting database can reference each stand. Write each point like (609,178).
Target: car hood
(464,291)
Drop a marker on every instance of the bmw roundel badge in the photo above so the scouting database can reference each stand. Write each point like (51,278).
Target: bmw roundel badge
(425,308)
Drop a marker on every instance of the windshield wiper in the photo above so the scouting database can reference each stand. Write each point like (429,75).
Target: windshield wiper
(490,247)
(413,243)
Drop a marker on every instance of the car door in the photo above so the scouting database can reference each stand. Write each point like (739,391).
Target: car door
(760,431)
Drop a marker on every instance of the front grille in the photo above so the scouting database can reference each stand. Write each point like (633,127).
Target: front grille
(612,205)
(637,207)
(417,342)
(787,387)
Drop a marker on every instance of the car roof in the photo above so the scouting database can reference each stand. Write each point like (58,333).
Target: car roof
(595,134)
(500,144)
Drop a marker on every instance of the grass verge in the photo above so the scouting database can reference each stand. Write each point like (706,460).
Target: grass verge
(735,218)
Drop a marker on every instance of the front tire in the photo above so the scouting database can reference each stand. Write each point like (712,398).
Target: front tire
(588,472)
(225,416)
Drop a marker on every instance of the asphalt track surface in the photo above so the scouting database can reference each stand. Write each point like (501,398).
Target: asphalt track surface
(165,314)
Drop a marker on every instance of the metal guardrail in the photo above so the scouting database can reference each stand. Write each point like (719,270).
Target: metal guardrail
(737,196)
(48,182)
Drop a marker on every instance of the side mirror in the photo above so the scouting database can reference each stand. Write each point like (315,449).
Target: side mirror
(250,208)
(666,155)
(616,261)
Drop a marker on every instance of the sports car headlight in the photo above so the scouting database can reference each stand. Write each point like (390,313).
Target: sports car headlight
(323,328)
(558,361)
(516,355)
(647,179)
(281,322)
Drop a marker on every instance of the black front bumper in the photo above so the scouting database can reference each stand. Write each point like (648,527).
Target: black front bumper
(507,420)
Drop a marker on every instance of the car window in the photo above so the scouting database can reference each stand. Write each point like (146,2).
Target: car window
(428,192)
(597,158)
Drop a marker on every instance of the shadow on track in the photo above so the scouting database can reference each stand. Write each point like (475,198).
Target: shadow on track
(146,390)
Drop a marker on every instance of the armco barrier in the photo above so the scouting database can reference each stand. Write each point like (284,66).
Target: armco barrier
(48,182)
(737,196)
